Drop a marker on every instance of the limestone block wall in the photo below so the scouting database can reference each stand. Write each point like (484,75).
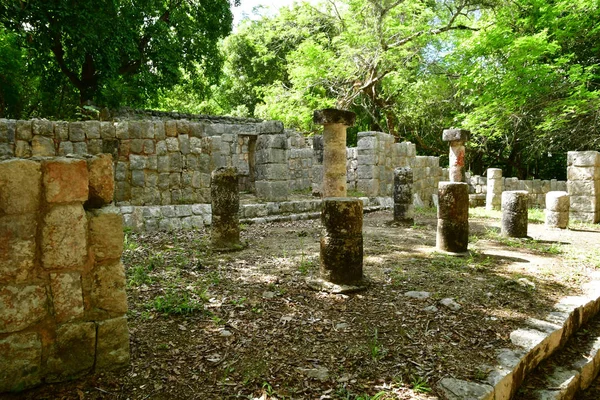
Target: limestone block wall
(537,189)
(62,284)
(157,162)
(583,186)
(300,161)
(378,155)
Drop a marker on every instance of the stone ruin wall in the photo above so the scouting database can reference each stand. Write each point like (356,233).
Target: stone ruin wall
(536,188)
(62,284)
(168,162)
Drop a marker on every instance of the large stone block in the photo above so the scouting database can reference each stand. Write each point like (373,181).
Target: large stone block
(24,130)
(583,173)
(112,350)
(21,307)
(108,130)
(42,127)
(583,188)
(20,187)
(557,201)
(101,181)
(271,142)
(64,237)
(583,158)
(65,180)
(106,233)
(67,296)
(271,172)
(108,288)
(76,132)
(42,146)
(20,358)
(17,247)
(73,352)
(271,156)
(584,203)
(272,190)
(92,129)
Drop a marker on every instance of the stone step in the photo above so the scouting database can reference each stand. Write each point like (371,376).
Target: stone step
(536,342)
(569,371)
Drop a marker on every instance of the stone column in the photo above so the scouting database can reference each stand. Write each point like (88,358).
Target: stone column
(583,174)
(453,217)
(334,149)
(457,139)
(342,241)
(514,213)
(493,197)
(403,196)
(225,200)
(557,210)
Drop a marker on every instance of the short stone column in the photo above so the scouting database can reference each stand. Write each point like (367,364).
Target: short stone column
(557,210)
(342,241)
(335,123)
(493,196)
(457,139)
(514,213)
(225,201)
(403,196)
(583,174)
(453,217)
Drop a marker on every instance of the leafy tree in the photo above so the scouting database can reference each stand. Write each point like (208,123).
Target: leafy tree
(12,75)
(113,51)
(529,82)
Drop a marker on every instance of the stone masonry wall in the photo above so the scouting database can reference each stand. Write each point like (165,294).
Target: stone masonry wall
(62,284)
(378,155)
(536,188)
(157,162)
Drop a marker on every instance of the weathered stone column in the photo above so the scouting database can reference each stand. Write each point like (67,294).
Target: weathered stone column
(403,196)
(453,217)
(457,139)
(334,149)
(583,174)
(514,213)
(557,210)
(342,241)
(493,197)
(225,200)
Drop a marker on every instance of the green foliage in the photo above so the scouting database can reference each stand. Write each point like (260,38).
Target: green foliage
(115,52)
(179,301)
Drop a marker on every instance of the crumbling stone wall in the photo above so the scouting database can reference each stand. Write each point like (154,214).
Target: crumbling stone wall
(536,188)
(62,284)
(378,155)
(583,173)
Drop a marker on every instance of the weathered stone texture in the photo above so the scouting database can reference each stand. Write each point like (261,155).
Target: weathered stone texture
(64,237)
(65,180)
(21,306)
(108,288)
(453,217)
(342,240)
(73,353)
(225,206)
(101,181)
(403,196)
(113,344)
(20,358)
(106,233)
(42,146)
(20,187)
(514,214)
(17,247)
(67,296)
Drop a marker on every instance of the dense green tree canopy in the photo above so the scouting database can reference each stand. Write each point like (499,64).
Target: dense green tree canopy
(114,51)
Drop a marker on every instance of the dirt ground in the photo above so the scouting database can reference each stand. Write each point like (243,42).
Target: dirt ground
(207,325)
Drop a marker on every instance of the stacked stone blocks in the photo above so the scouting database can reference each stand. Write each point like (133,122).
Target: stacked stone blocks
(453,217)
(62,284)
(583,185)
(557,210)
(515,213)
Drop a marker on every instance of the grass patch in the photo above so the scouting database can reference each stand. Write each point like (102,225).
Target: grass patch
(426,212)
(179,301)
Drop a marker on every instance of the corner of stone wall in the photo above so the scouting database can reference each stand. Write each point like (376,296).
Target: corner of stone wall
(62,284)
